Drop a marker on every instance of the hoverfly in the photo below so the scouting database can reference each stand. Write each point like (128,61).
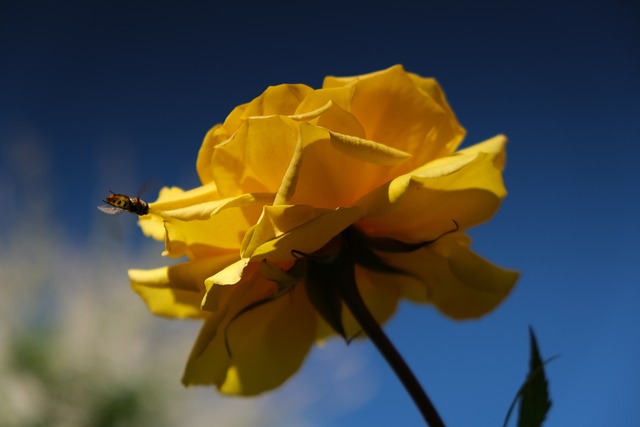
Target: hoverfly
(120,202)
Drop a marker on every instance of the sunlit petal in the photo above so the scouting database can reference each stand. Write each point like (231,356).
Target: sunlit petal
(216,294)
(328,169)
(225,224)
(266,345)
(281,99)
(177,291)
(494,147)
(215,136)
(283,229)
(451,193)
(396,112)
(245,164)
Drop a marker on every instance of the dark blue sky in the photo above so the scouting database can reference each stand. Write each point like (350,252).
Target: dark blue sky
(119,95)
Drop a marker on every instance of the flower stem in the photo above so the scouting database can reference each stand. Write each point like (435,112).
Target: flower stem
(353,300)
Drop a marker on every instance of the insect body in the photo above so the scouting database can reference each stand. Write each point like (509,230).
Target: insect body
(119,202)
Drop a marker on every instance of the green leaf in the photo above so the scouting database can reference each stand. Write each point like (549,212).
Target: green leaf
(533,394)
(534,401)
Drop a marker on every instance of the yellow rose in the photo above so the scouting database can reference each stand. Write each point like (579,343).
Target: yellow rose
(363,173)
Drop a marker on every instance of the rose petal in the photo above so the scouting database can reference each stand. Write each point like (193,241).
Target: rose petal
(396,112)
(312,114)
(329,170)
(281,99)
(267,344)
(216,295)
(203,211)
(177,291)
(224,229)
(171,198)
(276,100)
(450,276)
(152,224)
(421,206)
(215,136)
(339,96)
(494,147)
(368,151)
(282,335)
(245,164)
(282,229)
(331,116)
(229,301)
(432,88)
(332,110)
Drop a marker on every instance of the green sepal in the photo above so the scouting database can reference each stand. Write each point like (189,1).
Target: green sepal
(321,285)
(360,247)
(387,244)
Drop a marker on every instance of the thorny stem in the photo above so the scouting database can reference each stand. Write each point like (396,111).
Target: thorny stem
(353,300)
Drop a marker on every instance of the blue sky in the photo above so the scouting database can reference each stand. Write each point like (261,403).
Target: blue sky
(119,95)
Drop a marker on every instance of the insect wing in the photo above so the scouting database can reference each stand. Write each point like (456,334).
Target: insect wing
(111,210)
